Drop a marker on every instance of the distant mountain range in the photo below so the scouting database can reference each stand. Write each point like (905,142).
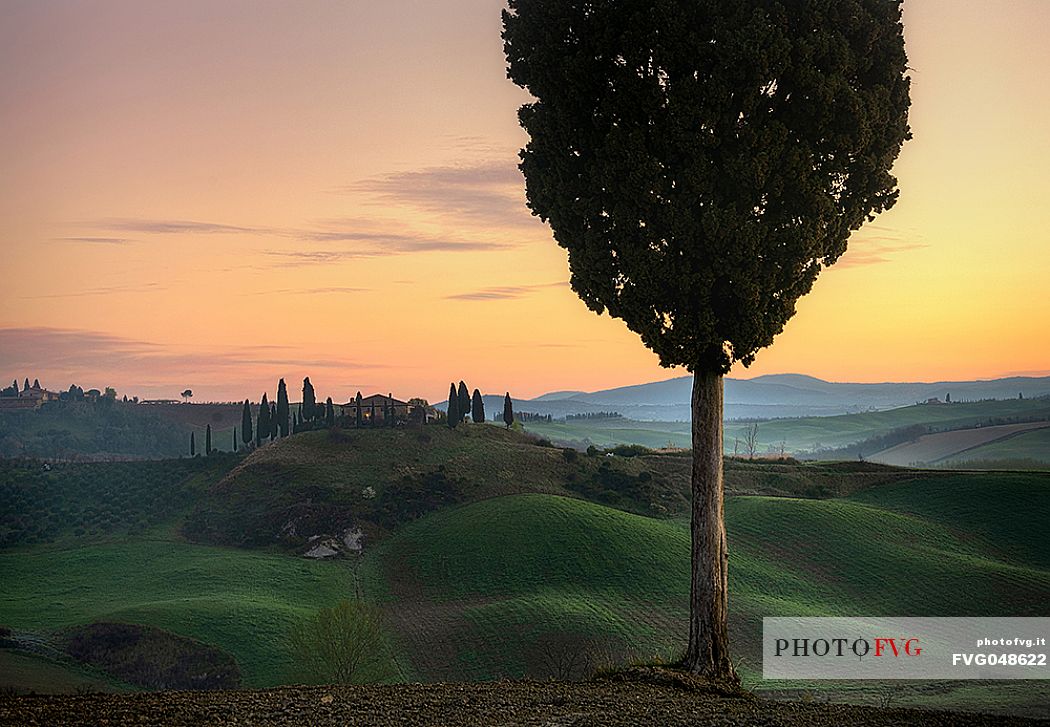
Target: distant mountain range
(771,396)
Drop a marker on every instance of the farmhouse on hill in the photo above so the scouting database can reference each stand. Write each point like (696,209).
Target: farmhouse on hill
(30,397)
(375,406)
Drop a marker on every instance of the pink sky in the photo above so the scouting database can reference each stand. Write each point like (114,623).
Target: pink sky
(214,195)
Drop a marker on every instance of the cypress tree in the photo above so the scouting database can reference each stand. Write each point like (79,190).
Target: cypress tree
(207,440)
(234,440)
(453,407)
(477,408)
(464,402)
(307,411)
(193,445)
(508,411)
(702,162)
(275,426)
(282,408)
(262,424)
(246,424)
(372,415)
(329,413)
(357,409)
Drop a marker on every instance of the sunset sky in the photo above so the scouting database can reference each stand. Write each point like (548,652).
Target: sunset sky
(216,194)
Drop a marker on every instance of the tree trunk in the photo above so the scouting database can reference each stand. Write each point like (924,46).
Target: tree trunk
(708,652)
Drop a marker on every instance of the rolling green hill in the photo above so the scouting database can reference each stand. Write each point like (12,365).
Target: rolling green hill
(377,479)
(240,601)
(493,555)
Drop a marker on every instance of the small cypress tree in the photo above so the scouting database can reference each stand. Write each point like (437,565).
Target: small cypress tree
(234,440)
(372,413)
(193,445)
(282,408)
(508,411)
(246,424)
(262,424)
(464,402)
(453,407)
(329,413)
(357,409)
(207,440)
(306,411)
(275,425)
(477,407)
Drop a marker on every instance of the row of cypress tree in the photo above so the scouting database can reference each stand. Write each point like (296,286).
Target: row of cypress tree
(460,404)
(272,420)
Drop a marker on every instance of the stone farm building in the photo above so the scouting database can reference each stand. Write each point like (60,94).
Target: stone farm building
(376,405)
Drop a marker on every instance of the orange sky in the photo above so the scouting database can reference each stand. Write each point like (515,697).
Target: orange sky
(213,195)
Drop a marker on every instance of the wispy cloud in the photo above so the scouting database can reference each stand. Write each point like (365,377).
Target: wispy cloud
(490,193)
(509,292)
(182,227)
(83,355)
(879,248)
(95,240)
(104,290)
(335,290)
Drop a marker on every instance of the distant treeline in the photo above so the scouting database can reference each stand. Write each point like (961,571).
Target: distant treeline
(595,415)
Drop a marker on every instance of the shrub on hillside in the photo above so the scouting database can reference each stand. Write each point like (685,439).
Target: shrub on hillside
(343,644)
(151,657)
(416,495)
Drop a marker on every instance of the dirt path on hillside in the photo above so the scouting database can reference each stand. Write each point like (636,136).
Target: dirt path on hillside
(594,704)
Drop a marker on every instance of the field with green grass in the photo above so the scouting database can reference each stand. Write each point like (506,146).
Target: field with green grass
(240,601)
(494,555)
(524,585)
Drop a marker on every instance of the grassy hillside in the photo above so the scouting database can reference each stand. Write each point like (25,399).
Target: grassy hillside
(240,601)
(507,574)
(377,479)
(493,555)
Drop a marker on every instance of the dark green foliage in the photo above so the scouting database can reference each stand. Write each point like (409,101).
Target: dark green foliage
(150,657)
(477,407)
(569,454)
(262,424)
(193,445)
(415,496)
(357,401)
(246,423)
(98,498)
(702,162)
(508,410)
(70,429)
(630,450)
(453,414)
(282,409)
(306,411)
(464,401)
(207,439)
(234,447)
(275,427)
(329,413)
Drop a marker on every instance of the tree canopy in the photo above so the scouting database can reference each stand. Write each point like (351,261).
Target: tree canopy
(703,161)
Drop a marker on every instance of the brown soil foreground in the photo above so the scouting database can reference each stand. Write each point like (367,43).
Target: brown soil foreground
(493,703)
